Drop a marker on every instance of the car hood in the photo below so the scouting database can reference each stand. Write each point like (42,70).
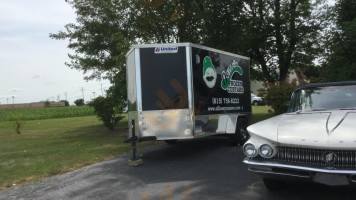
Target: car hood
(327,129)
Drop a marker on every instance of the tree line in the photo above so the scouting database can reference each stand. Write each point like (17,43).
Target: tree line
(279,36)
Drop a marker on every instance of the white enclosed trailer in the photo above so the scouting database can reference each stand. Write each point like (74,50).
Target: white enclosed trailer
(184,91)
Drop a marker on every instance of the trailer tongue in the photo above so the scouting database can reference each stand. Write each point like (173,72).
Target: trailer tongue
(185,91)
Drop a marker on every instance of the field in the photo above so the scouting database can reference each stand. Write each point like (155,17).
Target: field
(54,146)
(45,113)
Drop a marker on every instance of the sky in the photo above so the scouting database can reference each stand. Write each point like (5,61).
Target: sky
(32,65)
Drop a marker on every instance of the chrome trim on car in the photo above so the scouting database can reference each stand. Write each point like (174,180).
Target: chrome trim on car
(343,159)
(337,125)
(277,173)
(278,165)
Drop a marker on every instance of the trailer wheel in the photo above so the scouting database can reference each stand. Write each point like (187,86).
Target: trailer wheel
(241,135)
(171,141)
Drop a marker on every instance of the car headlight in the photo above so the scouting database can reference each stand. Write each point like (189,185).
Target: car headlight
(250,150)
(266,151)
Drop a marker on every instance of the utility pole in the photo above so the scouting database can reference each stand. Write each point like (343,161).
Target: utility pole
(7,99)
(13,99)
(83,93)
(66,96)
(102,94)
(94,94)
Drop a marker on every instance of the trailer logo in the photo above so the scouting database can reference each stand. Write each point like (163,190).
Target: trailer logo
(232,86)
(209,72)
(166,50)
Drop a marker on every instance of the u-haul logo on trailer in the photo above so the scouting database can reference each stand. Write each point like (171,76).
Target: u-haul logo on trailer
(166,49)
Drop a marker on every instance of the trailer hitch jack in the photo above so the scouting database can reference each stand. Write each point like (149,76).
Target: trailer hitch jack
(134,161)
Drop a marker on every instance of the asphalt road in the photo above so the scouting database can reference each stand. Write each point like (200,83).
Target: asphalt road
(199,169)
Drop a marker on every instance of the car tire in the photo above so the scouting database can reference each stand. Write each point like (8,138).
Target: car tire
(255,103)
(171,142)
(274,184)
(241,135)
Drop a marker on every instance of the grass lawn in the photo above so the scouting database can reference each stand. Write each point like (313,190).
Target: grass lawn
(55,146)
(50,147)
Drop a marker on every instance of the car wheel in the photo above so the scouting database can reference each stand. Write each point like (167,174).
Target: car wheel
(171,141)
(274,184)
(255,103)
(241,135)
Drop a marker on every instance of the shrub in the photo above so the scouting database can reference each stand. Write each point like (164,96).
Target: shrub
(107,111)
(17,125)
(79,102)
(278,95)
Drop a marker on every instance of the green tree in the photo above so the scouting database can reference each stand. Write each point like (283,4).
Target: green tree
(100,37)
(278,35)
(79,102)
(281,35)
(341,63)
(66,103)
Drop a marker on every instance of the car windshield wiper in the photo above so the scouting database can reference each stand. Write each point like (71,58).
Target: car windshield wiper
(352,108)
(317,109)
(311,110)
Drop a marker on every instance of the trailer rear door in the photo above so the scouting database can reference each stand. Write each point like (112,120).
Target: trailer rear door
(165,110)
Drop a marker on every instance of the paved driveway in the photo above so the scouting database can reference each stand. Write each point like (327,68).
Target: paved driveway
(199,169)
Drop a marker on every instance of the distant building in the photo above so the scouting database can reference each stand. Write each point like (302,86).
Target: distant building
(295,75)
(32,105)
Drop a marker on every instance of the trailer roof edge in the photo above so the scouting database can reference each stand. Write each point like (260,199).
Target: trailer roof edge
(187,44)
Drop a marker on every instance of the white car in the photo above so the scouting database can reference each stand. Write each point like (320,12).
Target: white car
(314,141)
(255,100)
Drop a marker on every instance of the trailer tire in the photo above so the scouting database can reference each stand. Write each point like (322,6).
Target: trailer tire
(241,135)
(171,142)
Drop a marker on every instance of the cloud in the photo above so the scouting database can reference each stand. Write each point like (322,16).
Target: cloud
(16,90)
(51,83)
(36,77)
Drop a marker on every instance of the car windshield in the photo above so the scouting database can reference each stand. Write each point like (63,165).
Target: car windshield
(323,98)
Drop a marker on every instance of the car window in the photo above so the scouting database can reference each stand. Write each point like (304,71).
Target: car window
(333,97)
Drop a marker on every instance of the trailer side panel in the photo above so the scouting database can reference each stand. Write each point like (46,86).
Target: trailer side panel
(221,85)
